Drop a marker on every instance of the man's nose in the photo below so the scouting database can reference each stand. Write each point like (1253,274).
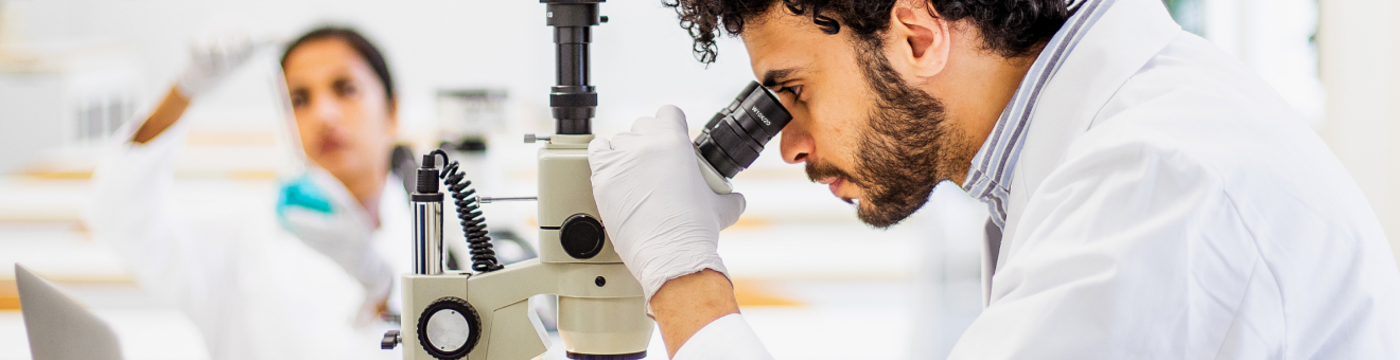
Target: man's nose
(796,143)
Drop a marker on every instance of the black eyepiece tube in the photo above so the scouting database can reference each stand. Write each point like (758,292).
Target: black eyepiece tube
(736,134)
(572,99)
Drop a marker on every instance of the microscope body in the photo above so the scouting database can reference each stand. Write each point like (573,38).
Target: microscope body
(601,306)
(487,315)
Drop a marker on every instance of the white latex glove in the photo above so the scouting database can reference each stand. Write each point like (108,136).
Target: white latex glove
(663,219)
(211,61)
(318,209)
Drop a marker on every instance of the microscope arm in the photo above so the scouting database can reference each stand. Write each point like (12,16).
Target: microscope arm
(509,327)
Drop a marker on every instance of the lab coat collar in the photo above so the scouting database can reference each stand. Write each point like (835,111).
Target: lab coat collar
(1128,35)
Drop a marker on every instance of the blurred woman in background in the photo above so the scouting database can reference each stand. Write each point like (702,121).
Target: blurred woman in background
(312,278)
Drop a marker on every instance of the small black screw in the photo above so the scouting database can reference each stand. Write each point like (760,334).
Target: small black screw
(603,19)
(600,281)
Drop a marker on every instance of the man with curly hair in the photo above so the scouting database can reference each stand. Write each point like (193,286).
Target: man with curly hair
(1149,196)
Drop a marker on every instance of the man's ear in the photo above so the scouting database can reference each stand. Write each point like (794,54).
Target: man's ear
(918,39)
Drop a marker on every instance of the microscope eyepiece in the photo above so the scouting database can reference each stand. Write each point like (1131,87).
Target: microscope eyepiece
(733,138)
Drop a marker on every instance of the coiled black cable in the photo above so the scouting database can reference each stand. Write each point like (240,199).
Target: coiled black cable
(469,212)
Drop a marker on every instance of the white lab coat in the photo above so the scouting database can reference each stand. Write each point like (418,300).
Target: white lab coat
(253,290)
(1168,204)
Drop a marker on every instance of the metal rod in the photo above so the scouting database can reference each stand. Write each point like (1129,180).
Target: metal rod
(488,200)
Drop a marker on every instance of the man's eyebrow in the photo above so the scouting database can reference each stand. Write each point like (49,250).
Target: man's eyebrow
(771,78)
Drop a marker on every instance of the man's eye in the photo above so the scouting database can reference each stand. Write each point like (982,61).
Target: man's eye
(794,90)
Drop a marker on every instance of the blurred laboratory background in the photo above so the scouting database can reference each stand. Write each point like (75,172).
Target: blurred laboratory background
(813,281)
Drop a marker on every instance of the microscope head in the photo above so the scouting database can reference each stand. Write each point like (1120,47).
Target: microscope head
(572,100)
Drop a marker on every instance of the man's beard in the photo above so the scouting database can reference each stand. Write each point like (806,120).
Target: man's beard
(907,149)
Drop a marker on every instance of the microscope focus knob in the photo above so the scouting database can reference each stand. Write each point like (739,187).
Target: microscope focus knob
(449,328)
(582,236)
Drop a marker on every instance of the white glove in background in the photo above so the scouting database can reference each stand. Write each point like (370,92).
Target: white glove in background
(663,219)
(318,209)
(211,61)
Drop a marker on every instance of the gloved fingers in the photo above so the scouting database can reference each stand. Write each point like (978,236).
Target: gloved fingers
(669,120)
(598,151)
(213,58)
(222,47)
(236,57)
(599,144)
(671,115)
(730,207)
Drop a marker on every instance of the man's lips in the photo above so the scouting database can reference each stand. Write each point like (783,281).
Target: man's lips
(835,185)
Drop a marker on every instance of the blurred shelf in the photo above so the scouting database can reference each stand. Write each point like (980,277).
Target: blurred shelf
(819,251)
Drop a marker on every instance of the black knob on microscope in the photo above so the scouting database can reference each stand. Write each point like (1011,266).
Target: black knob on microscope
(582,236)
(449,328)
(391,340)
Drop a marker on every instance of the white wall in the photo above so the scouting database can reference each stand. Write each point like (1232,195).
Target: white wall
(28,96)
(1359,56)
(1272,37)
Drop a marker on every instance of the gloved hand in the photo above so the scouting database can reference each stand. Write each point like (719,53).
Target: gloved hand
(211,61)
(663,219)
(318,209)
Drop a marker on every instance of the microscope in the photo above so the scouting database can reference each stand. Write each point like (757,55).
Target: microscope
(486,313)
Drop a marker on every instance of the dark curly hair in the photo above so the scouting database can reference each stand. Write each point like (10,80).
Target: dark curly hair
(1010,28)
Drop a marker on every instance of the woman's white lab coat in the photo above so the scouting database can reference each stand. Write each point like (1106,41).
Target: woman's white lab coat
(254,290)
(1168,204)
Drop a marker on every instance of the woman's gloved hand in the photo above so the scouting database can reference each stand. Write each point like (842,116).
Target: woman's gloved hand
(211,61)
(317,209)
(663,219)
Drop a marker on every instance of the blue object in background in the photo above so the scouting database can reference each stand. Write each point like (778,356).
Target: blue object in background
(303,193)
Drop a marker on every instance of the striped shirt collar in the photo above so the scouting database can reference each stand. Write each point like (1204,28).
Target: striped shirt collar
(989,177)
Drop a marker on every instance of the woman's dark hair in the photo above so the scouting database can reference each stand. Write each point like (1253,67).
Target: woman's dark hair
(356,41)
(1010,28)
